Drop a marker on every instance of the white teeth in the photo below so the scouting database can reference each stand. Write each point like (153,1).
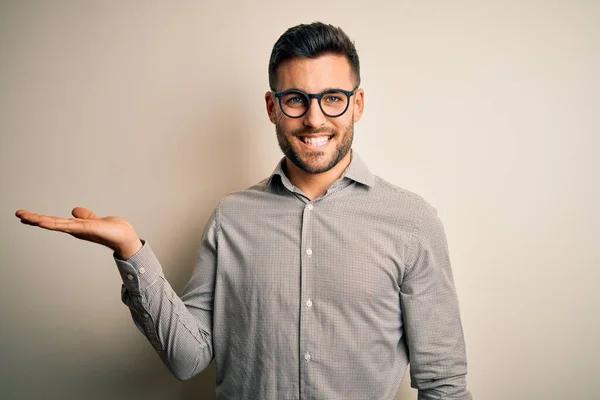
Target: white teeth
(316,141)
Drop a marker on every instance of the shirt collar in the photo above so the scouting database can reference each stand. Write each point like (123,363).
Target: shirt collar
(357,171)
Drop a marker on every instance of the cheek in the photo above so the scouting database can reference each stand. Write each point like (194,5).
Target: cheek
(280,119)
(288,124)
(341,126)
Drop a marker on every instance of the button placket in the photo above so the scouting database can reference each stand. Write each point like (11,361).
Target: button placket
(306,315)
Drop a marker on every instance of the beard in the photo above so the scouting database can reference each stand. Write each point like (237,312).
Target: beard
(310,163)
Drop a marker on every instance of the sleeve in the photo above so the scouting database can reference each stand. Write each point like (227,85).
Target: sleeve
(180,329)
(434,334)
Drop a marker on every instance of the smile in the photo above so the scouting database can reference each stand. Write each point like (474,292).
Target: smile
(315,141)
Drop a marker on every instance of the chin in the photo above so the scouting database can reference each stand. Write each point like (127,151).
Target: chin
(323,165)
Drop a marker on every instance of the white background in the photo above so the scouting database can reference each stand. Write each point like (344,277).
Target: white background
(154,110)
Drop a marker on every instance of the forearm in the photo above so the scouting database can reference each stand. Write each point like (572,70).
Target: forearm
(181,334)
(450,388)
(437,349)
(438,359)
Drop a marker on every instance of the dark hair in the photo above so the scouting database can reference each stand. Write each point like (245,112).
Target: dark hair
(312,41)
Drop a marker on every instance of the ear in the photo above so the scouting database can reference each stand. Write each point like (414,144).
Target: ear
(270,103)
(359,104)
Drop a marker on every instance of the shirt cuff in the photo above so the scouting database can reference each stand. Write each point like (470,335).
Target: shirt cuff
(140,271)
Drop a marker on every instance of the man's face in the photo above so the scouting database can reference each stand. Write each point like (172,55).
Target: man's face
(315,143)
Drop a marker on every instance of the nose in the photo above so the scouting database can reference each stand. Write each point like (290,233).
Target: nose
(314,117)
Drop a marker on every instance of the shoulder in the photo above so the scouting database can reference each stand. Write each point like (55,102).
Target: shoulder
(400,200)
(251,197)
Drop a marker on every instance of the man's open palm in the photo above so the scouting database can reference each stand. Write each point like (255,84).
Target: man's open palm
(113,232)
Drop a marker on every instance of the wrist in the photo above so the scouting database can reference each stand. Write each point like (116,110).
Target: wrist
(129,249)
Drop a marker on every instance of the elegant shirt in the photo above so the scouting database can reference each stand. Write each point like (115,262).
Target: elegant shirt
(301,299)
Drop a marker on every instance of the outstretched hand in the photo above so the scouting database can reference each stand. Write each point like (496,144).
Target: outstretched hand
(113,232)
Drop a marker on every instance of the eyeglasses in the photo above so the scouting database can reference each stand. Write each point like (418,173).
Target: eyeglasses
(333,102)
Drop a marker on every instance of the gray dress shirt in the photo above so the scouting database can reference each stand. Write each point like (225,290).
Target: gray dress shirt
(301,299)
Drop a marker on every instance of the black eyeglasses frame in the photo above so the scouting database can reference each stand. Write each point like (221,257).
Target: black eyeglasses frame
(309,96)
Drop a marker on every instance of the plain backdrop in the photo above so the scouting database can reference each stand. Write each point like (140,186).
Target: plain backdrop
(154,110)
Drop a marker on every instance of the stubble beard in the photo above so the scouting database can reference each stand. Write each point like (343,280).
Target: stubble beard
(290,152)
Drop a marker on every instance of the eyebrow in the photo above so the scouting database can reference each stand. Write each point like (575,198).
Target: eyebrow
(303,91)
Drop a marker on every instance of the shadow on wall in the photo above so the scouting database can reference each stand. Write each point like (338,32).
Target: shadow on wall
(214,166)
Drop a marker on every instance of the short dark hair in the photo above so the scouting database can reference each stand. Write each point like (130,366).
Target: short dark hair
(312,41)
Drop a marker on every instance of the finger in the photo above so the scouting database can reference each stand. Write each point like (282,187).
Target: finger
(71,226)
(46,221)
(31,218)
(83,213)
(21,212)
(77,227)
(26,222)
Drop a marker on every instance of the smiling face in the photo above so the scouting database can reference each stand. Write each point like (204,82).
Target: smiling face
(316,143)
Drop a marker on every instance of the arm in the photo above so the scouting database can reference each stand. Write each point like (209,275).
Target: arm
(434,334)
(180,329)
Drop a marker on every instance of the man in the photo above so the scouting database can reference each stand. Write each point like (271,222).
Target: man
(320,282)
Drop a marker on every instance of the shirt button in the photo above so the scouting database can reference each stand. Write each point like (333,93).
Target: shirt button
(130,277)
(309,252)
(142,270)
(307,356)
(309,303)
(310,207)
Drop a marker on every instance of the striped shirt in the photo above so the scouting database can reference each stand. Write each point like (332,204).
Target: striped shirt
(301,299)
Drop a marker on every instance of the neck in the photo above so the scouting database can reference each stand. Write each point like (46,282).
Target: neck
(315,185)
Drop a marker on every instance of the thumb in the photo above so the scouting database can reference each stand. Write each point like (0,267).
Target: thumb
(83,213)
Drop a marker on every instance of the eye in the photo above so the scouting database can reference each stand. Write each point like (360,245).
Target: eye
(333,98)
(295,99)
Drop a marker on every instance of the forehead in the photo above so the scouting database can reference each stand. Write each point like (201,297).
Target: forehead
(314,75)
